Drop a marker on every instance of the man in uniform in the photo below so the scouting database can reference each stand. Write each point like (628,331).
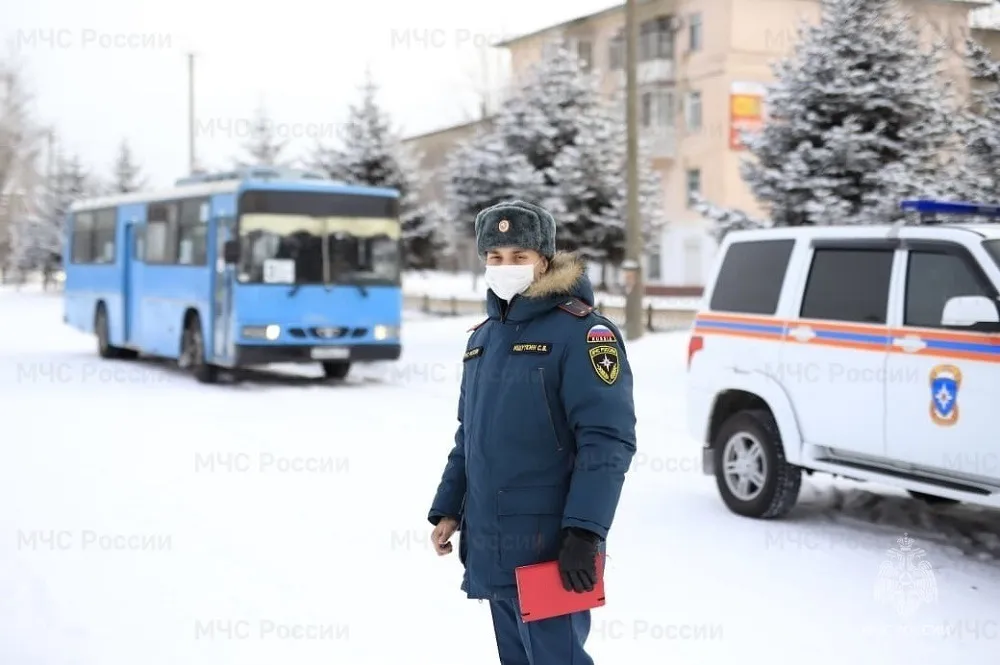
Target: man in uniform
(546,434)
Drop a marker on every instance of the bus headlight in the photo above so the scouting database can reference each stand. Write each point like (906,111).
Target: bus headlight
(385,332)
(269,333)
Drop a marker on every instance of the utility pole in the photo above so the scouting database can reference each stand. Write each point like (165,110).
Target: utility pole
(633,228)
(191,154)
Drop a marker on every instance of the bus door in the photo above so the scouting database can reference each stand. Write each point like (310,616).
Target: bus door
(223,290)
(132,286)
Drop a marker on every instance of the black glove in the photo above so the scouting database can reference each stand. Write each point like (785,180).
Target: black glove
(578,559)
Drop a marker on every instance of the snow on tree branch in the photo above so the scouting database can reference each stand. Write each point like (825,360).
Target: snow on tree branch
(127,175)
(557,142)
(859,119)
(263,147)
(370,151)
(725,219)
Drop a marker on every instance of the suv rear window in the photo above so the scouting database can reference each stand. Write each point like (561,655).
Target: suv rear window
(848,285)
(751,276)
(993,249)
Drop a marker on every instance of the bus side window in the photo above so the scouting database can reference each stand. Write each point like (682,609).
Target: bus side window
(192,233)
(83,237)
(160,244)
(139,243)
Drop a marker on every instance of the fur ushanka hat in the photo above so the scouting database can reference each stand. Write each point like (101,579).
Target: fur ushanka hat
(516,224)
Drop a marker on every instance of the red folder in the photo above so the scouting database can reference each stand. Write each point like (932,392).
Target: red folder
(541,594)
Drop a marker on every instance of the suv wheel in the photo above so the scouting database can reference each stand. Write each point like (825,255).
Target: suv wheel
(750,468)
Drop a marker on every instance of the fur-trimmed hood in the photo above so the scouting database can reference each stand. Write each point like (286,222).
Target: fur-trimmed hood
(565,271)
(566,278)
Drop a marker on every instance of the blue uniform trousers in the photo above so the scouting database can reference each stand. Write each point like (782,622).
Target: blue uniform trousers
(556,641)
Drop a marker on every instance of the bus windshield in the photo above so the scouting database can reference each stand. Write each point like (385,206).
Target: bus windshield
(318,247)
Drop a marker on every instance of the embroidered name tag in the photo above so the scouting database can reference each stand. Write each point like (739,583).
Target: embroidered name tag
(540,348)
(473,353)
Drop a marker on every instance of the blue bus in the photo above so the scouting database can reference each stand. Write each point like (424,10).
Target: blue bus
(239,269)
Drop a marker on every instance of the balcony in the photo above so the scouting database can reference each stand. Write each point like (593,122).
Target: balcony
(658,70)
(661,142)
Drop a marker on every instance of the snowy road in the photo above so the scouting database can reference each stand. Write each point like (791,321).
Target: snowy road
(147,519)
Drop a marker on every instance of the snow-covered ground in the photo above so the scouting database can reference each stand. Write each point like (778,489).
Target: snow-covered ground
(446,285)
(148,519)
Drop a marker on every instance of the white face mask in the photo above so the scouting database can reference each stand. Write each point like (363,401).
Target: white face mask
(508,281)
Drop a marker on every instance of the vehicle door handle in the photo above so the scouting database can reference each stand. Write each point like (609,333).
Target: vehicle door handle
(909,343)
(801,333)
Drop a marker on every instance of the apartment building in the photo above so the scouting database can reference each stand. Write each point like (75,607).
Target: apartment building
(703,66)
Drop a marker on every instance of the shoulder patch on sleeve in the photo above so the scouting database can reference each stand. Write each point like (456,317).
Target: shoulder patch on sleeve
(477,326)
(605,363)
(601,334)
(576,307)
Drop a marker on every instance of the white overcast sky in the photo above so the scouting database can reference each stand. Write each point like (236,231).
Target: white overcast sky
(96,82)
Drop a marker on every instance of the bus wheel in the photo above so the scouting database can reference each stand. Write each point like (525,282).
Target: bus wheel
(336,370)
(193,353)
(104,348)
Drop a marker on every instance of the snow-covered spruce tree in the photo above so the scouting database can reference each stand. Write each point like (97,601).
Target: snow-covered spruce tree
(482,172)
(263,146)
(20,148)
(126,175)
(39,238)
(725,219)
(980,129)
(371,152)
(557,142)
(651,203)
(859,120)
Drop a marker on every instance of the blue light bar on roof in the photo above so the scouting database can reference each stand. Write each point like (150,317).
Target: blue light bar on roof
(928,207)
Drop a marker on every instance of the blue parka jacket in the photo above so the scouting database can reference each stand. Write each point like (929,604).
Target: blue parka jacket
(546,430)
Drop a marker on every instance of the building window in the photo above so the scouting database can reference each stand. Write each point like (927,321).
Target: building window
(656,107)
(653,272)
(585,52)
(694,32)
(646,109)
(692,185)
(616,51)
(665,106)
(692,111)
(656,39)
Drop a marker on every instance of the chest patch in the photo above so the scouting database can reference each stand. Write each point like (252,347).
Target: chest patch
(600,335)
(474,352)
(537,348)
(604,360)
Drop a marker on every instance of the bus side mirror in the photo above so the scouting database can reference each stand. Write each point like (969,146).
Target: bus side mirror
(231,252)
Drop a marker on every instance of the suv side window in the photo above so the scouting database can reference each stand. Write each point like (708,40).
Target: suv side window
(931,279)
(848,285)
(751,276)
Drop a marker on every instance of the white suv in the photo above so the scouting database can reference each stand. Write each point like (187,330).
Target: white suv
(871,353)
